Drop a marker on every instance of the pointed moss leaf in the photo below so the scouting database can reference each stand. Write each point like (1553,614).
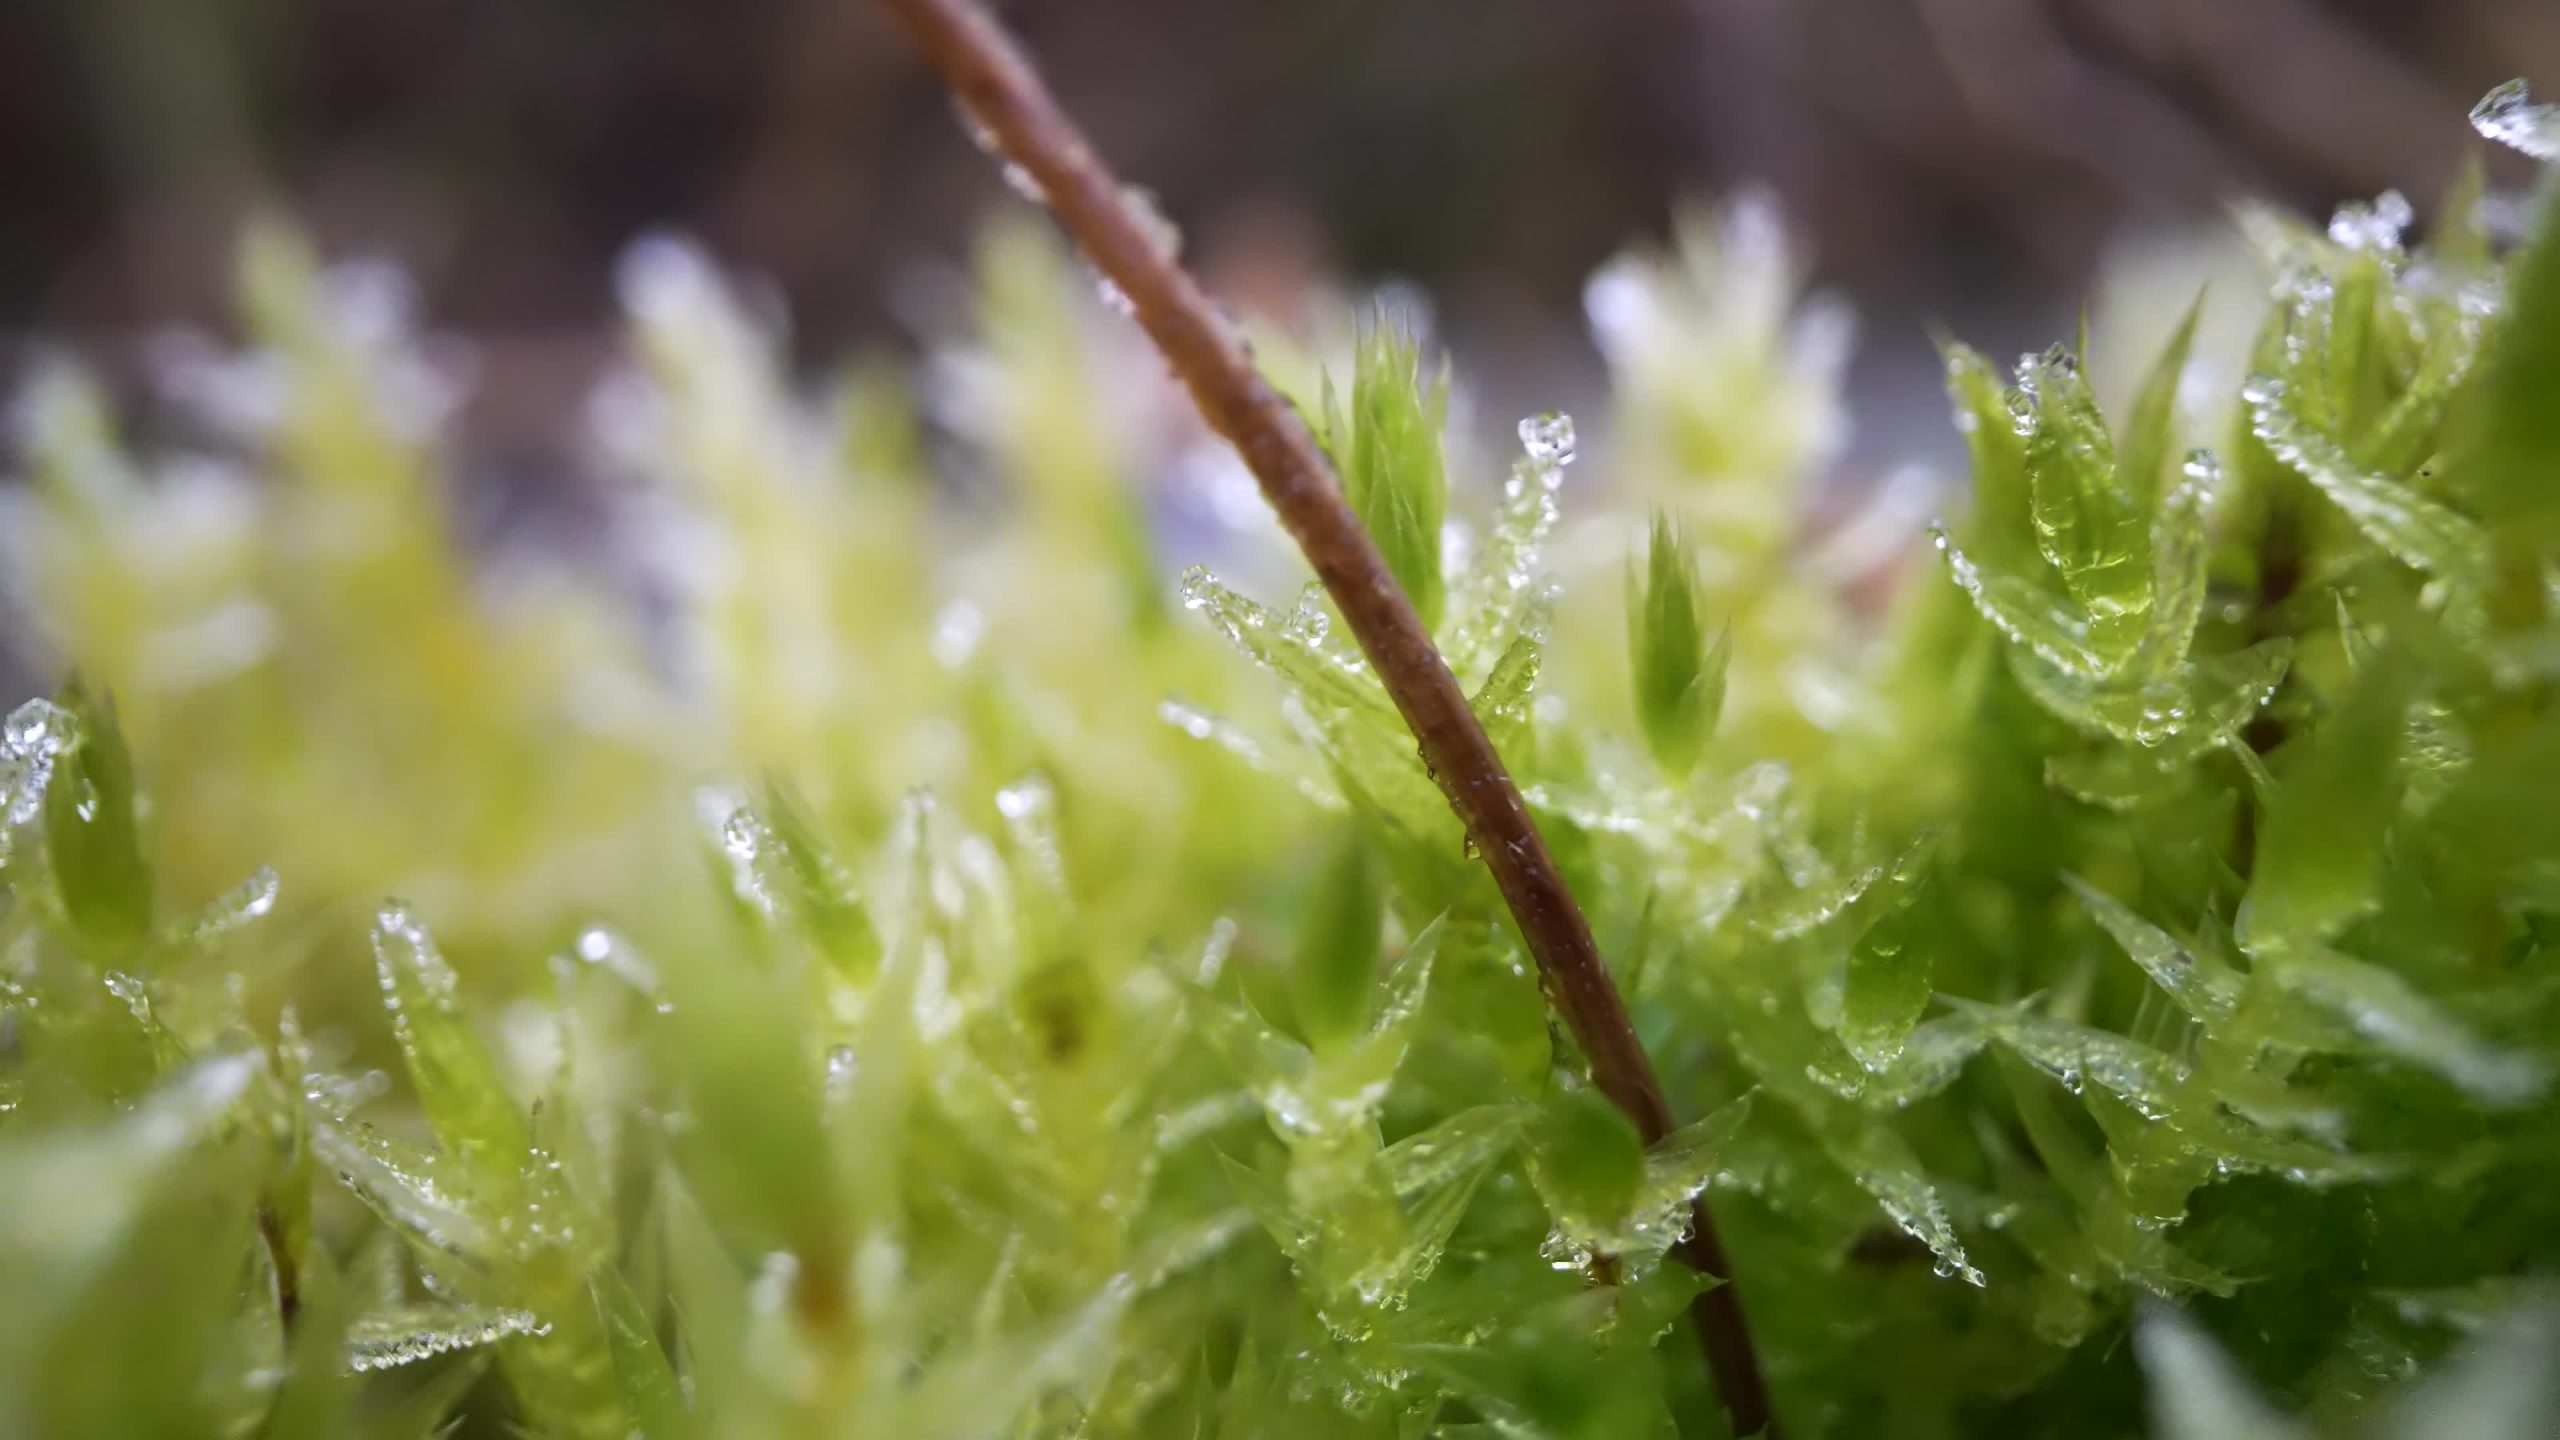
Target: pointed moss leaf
(2000,531)
(1342,1091)
(1318,674)
(1588,1161)
(420,1191)
(2321,840)
(1886,988)
(821,893)
(1434,1215)
(245,903)
(2027,613)
(1926,1060)
(1679,677)
(2150,428)
(1432,1158)
(1554,1376)
(2199,708)
(2196,1392)
(89,825)
(1180,1251)
(646,1381)
(2392,1016)
(1297,1235)
(1503,703)
(1335,978)
(2203,987)
(385,1339)
(1504,573)
(2084,1057)
(1392,467)
(1676,1170)
(2512,428)
(2416,530)
(754,1147)
(2411,428)
(2090,530)
(1886,1169)
(456,1078)
(2180,556)
(1289,768)
(2113,777)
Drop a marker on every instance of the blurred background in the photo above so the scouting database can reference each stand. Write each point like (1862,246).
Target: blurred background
(1976,167)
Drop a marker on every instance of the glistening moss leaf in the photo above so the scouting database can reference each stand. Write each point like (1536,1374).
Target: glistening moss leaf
(458,1083)
(2090,529)
(1334,981)
(2027,613)
(1389,452)
(2203,987)
(2387,1012)
(2321,840)
(2150,428)
(2417,530)
(1588,1161)
(89,826)
(1679,678)
(1887,986)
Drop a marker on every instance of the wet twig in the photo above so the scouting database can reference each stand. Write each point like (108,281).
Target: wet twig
(1003,95)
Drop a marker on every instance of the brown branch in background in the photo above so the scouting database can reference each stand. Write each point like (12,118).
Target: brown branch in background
(1002,93)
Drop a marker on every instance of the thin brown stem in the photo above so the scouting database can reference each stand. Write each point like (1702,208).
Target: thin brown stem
(1003,94)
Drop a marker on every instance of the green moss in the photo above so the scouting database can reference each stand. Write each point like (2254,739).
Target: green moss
(1054,1023)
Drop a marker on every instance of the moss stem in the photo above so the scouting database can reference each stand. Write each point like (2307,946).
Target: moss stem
(1002,92)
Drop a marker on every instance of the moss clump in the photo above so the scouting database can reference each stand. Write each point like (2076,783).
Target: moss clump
(921,983)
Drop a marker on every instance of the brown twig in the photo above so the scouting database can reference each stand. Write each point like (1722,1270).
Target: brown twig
(1002,93)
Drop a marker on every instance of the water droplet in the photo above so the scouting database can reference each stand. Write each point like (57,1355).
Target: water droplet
(1022,801)
(1548,438)
(1307,619)
(661,278)
(2375,228)
(1214,951)
(132,991)
(957,632)
(1189,721)
(39,727)
(980,133)
(1199,588)
(1162,235)
(1022,182)
(2509,116)
(85,800)
(774,1282)
(2022,409)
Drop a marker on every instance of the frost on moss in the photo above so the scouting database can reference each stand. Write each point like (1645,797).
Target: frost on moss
(939,977)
